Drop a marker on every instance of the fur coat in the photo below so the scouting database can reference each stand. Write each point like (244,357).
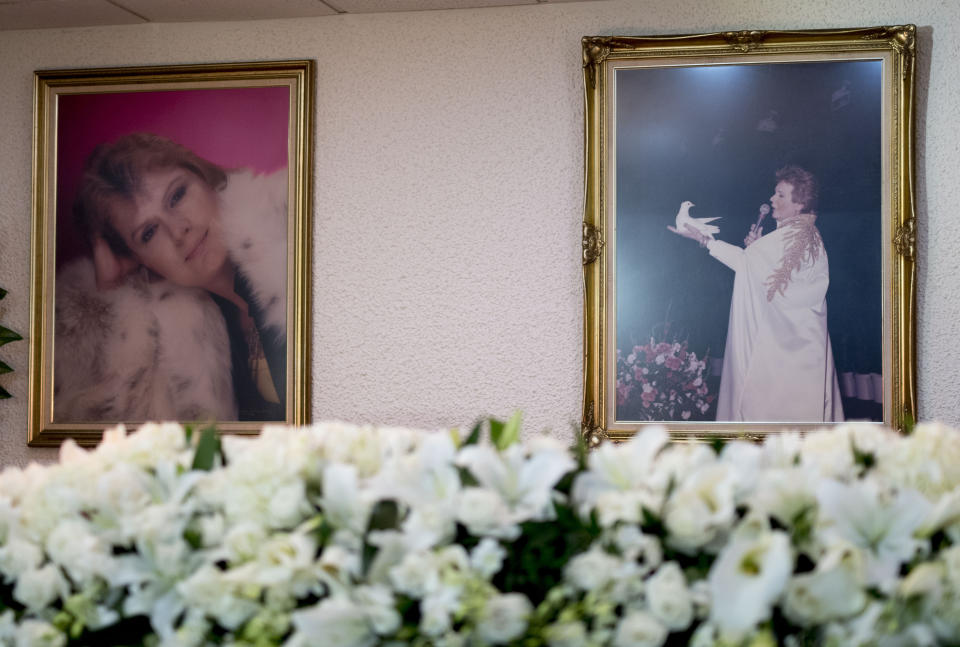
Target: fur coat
(158,351)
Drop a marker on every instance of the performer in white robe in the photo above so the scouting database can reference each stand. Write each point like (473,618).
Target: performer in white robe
(778,363)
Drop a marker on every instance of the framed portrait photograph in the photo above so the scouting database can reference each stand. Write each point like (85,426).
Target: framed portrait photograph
(171,233)
(749,232)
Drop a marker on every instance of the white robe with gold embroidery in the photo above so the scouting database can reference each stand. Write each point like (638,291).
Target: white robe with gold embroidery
(778,364)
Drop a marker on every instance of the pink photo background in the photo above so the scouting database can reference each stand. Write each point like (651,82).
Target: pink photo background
(232,127)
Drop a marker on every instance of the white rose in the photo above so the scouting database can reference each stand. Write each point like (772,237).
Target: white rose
(833,591)
(593,569)
(436,610)
(416,574)
(37,633)
(487,557)
(380,608)
(504,618)
(38,588)
(243,541)
(639,629)
(669,598)
(484,513)
(123,490)
(701,509)
(636,547)
(828,453)
(288,505)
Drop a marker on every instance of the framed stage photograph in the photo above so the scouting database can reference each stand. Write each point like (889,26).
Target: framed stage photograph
(171,248)
(749,232)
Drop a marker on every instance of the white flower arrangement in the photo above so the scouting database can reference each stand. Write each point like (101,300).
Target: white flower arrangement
(358,536)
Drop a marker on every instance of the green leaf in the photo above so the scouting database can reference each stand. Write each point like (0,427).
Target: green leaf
(193,537)
(207,449)
(908,423)
(717,444)
(4,394)
(7,336)
(385,516)
(4,368)
(504,435)
(474,436)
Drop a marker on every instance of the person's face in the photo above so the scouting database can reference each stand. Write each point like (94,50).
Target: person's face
(172,225)
(782,202)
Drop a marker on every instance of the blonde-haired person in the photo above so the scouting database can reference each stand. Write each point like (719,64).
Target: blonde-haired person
(180,309)
(778,362)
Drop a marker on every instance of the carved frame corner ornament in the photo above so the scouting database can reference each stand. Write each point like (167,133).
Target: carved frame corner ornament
(903,38)
(592,243)
(745,40)
(595,52)
(905,239)
(593,435)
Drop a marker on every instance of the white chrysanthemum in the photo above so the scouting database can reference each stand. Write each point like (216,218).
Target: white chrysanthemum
(879,521)
(572,633)
(669,598)
(503,618)
(639,629)
(750,573)
(701,509)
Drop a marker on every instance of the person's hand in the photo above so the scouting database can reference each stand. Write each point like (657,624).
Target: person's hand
(689,231)
(110,269)
(756,231)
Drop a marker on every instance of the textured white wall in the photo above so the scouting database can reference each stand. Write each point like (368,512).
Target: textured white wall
(448,194)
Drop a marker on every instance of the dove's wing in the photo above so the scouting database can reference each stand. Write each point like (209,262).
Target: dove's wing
(701,224)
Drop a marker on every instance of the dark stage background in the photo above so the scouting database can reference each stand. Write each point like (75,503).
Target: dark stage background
(715,135)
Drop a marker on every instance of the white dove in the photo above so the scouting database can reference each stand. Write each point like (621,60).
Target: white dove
(683,219)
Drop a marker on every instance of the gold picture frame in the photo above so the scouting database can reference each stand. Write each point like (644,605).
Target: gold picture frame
(171,247)
(710,119)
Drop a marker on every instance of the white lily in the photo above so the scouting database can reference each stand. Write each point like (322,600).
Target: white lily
(750,573)
(880,521)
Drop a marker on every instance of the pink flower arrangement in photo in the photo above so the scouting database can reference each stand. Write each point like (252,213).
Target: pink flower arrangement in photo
(662,381)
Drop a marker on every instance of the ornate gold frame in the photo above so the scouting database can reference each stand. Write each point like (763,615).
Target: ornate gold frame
(299,77)
(896,46)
